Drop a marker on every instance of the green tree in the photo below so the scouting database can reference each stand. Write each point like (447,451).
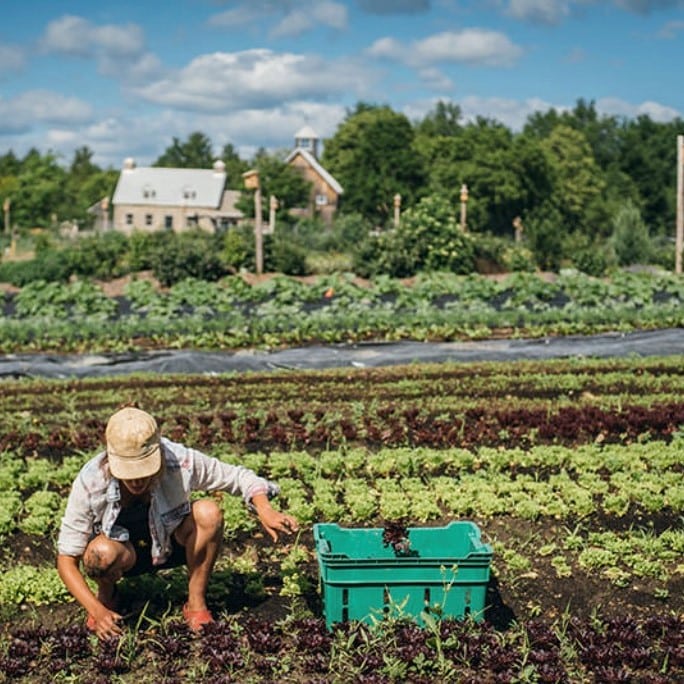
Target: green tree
(371,155)
(194,153)
(9,164)
(601,132)
(577,179)
(443,121)
(649,158)
(630,240)
(95,187)
(279,179)
(82,165)
(235,167)
(544,234)
(87,184)
(40,196)
(505,175)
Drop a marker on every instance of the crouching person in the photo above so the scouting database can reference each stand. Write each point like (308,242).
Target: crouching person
(129,512)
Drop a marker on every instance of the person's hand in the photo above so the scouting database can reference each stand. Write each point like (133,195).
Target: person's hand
(274,521)
(105,623)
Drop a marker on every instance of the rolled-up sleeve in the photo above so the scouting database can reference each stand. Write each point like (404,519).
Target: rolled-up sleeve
(211,474)
(77,522)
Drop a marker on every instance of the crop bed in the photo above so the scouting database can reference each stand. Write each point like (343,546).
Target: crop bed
(572,469)
(282,310)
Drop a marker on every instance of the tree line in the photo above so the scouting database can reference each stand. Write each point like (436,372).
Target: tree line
(575,183)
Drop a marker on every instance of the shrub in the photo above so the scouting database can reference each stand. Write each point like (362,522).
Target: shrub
(193,254)
(52,266)
(98,256)
(587,255)
(428,239)
(237,248)
(348,230)
(142,248)
(289,257)
(663,252)
(630,239)
(329,262)
(545,233)
(495,254)
(519,258)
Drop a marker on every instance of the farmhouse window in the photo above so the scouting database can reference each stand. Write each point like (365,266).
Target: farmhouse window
(148,219)
(129,219)
(168,222)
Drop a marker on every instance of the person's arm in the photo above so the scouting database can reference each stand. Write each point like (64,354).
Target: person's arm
(273,521)
(209,473)
(105,619)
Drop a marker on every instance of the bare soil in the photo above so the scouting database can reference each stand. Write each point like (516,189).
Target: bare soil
(519,597)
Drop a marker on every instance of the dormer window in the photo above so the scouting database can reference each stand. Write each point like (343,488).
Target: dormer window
(149,192)
(189,194)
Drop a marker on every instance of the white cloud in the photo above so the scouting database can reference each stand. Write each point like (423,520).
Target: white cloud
(387,47)
(470,46)
(35,107)
(511,113)
(671,29)
(253,79)
(12,58)
(142,69)
(435,80)
(648,6)
(145,137)
(274,128)
(77,36)
(514,113)
(292,18)
(119,49)
(539,11)
(330,14)
(248,13)
(654,110)
(555,11)
(394,6)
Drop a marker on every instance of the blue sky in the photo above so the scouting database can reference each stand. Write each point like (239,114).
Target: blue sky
(124,78)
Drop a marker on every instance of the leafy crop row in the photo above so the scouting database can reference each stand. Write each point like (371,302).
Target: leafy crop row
(253,649)
(230,314)
(572,469)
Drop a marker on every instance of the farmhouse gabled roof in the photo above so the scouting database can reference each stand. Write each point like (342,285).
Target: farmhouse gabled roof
(313,162)
(148,185)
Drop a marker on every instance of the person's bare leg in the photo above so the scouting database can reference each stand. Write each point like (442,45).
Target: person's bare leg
(105,561)
(200,533)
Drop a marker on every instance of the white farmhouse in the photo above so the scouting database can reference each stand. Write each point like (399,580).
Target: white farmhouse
(150,198)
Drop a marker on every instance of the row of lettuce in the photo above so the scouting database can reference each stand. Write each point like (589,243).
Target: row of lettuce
(358,487)
(615,455)
(338,308)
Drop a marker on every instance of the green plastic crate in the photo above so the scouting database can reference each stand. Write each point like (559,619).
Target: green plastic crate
(446,568)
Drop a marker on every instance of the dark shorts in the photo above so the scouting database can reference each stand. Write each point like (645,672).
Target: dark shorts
(135,520)
(143,559)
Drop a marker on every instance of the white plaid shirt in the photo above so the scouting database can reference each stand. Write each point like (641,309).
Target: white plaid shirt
(95,499)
